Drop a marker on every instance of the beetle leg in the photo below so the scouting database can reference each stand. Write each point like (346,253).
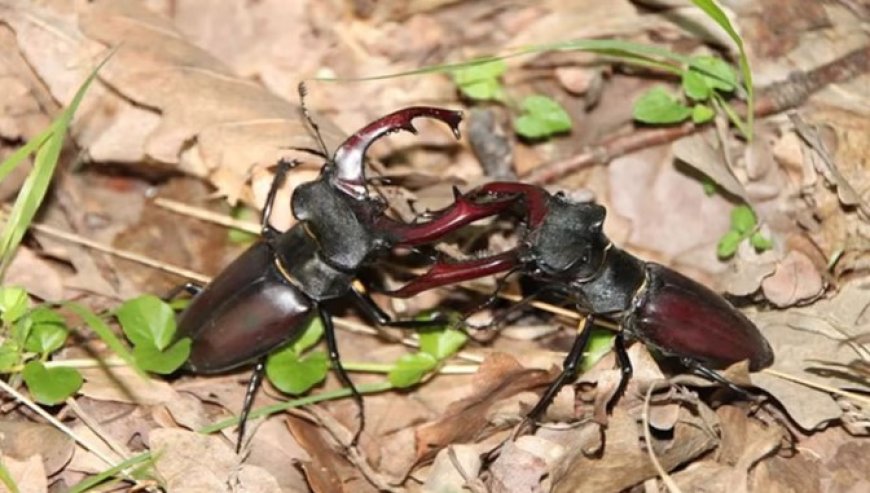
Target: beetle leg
(280,175)
(250,392)
(569,369)
(713,375)
(380,317)
(335,359)
(189,287)
(624,365)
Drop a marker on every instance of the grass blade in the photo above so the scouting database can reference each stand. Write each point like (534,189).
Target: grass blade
(94,481)
(34,189)
(714,12)
(105,333)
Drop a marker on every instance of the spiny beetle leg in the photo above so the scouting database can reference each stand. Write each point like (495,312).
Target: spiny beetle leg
(250,392)
(713,375)
(335,359)
(375,313)
(442,274)
(624,366)
(569,369)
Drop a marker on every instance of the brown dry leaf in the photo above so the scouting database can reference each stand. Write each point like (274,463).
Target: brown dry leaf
(795,280)
(704,477)
(191,463)
(517,469)
(788,475)
(746,272)
(21,440)
(624,462)
(500,376)
(191,110)
(703,152)
(806,345)
(274,449)
(325,470)
(36,275)
(29,475)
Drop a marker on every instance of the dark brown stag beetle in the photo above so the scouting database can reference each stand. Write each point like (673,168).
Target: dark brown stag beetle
(268,295)
(566,251)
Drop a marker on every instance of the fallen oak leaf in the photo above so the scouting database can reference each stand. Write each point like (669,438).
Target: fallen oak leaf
(500,376)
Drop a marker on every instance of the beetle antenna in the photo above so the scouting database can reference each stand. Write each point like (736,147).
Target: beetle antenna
(303,91)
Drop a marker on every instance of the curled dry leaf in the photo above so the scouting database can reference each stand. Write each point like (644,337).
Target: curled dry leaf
(500,376)
(522,465)
(803,352)
(327,470)
(702,151)
(795,280)
(448,474)
(192,463)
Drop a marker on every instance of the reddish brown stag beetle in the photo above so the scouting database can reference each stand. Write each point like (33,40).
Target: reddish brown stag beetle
(566,251)
(268,295)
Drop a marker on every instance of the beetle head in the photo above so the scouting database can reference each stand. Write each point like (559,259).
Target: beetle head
(569,244)
(347,165)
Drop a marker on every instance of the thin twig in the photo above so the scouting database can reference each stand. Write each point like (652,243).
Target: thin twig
(57,424)
(818,386)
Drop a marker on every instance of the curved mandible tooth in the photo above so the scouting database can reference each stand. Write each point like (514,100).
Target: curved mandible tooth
(350,155)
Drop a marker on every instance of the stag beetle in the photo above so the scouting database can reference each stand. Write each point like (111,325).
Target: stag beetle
(267,296)
(566,250)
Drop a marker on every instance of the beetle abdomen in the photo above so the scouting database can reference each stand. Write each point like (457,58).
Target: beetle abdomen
(244,313)
(684,318)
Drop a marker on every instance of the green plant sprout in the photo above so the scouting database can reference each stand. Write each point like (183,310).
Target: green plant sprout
(744,226)
(541,116)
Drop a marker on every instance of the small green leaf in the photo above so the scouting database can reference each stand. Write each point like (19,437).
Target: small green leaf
(410,369)
(728,244)
(164,362)
(716,72)
(9,357)
(743,219)
(658,106)
(46,338)
(147,320)
(295,375)
(441,342)
(600,343)
(238,236)
(311,336)
(701,113)
(48,331)
(760,242)
(480,82)
(51,385)
(709,186)
(13,303)
(694,86)
(542,117)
